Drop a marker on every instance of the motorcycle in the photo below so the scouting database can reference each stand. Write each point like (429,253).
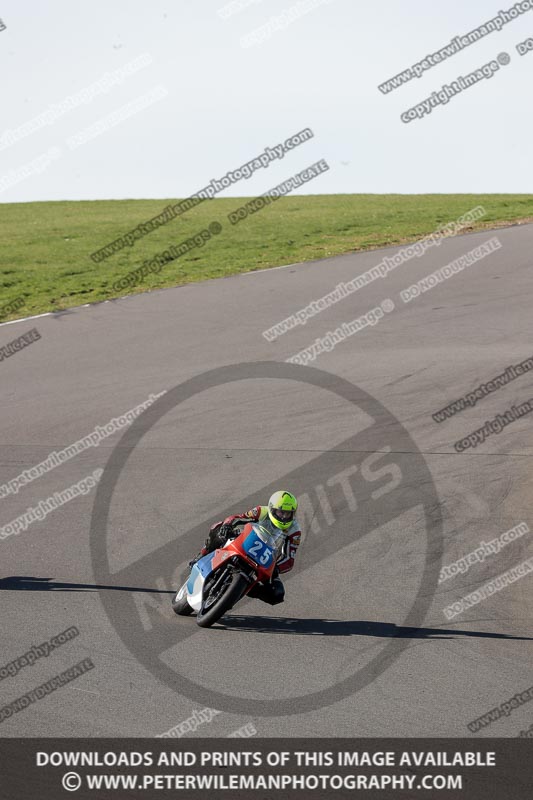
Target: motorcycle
(220,579)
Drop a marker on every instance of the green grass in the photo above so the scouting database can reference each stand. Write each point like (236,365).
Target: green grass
(46,247)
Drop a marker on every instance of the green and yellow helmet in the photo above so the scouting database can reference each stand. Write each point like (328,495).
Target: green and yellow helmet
(282,507)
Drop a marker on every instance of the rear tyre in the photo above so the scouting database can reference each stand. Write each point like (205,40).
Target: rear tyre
(181,606)
(231,591)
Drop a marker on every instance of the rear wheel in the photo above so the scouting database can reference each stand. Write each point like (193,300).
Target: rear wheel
(221,598)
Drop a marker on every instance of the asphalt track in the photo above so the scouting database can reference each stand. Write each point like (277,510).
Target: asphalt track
(359,575)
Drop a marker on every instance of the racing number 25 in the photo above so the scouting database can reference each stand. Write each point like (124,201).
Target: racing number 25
(256,548)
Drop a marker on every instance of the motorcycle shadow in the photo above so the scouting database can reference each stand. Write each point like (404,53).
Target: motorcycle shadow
(338,627)
(29,583)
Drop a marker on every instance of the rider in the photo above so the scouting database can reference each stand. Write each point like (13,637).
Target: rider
(278,515)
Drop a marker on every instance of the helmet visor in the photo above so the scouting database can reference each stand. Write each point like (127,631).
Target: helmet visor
(283,516)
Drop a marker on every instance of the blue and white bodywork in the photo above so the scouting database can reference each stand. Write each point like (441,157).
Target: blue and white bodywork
(195,583)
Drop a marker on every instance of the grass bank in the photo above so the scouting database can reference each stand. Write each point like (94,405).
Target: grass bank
(46,247)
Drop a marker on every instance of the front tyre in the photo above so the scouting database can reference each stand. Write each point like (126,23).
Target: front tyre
(180,605)
(230,592)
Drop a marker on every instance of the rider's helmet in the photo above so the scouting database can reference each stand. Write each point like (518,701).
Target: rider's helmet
(281,509)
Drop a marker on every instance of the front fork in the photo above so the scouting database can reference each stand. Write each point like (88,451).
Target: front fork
(235,565)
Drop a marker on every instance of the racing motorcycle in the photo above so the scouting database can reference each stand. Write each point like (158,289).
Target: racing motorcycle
(220,579)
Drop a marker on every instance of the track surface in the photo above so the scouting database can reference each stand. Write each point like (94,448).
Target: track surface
(344,605)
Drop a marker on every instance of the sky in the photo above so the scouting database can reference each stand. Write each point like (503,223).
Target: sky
(165,97)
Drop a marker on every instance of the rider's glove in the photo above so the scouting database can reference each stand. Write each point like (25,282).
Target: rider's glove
(225,530)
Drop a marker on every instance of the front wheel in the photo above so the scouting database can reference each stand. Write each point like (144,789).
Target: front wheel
(232,589)
(181,606)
